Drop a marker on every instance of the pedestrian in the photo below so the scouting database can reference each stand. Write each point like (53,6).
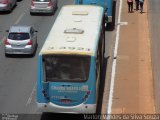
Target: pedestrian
(141,2)
(130,5)
(137,5)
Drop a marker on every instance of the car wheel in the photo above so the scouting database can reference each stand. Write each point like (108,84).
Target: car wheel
(6,55)
(16,4)
(34,51)
(32,54)
(31,13)
(10,8)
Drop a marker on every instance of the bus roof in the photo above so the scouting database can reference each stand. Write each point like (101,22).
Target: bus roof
(75,31)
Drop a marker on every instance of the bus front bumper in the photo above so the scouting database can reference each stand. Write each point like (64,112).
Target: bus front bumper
(79,109)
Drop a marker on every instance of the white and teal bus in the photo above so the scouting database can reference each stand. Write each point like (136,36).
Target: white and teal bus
(70,61)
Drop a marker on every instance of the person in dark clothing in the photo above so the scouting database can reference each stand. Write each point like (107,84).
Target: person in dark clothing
(137,5)
(130,5)
(141,2)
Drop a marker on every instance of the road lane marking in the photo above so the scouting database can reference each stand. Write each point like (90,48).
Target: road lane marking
(109,109)
(31,96)
(19,18)
(122,23)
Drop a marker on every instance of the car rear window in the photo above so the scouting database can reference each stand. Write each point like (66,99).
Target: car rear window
(18,36)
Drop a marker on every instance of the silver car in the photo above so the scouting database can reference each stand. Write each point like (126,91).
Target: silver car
(21,40)
(43,6)
(7,5)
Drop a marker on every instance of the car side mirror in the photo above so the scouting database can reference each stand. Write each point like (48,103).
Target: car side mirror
(35,31)
(7,30)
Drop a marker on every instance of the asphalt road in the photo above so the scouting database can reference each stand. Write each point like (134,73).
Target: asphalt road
(154,26)
(18,74)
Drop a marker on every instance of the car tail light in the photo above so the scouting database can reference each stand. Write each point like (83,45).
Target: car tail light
(32,2)
(5,1)
(50,3)
(6,42)
(30,42)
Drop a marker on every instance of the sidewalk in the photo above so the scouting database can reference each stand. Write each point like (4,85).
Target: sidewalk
(133,89)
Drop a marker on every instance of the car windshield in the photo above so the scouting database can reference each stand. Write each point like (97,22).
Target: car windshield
(18,36)
(66,68)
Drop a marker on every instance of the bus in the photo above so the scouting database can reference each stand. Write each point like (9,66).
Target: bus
(107,4)
(70,61)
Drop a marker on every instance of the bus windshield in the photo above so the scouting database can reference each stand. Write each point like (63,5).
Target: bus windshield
(62,68)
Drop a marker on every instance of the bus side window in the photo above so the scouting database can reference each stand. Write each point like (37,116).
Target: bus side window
(102,47)
(98,64)
(44,70)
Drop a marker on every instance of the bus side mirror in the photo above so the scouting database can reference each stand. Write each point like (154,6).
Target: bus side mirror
(106,9)
(105,13)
